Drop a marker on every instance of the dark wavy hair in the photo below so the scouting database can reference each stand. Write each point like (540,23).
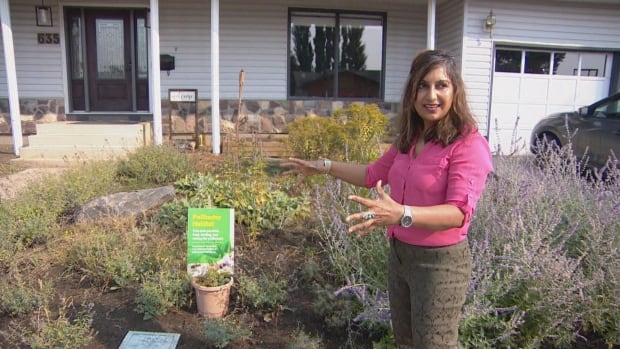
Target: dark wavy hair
(459,120)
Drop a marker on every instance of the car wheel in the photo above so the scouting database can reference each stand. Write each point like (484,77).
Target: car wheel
(546,143)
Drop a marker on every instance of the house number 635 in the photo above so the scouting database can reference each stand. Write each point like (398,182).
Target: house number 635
(48,38)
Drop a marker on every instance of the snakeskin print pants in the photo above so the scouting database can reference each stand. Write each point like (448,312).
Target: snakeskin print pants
(427,288)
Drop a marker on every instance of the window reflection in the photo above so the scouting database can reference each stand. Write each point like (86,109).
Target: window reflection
(593,64)
(565,63)
(327,60)
(537,62)
(508,61)
(142,49)
(75,48)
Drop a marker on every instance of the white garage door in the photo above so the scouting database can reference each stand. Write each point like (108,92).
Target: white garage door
(531,83)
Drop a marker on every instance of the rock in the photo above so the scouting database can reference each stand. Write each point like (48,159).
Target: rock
(131,203)
(12,185)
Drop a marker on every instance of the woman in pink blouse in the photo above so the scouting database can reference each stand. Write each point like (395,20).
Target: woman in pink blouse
(436,170)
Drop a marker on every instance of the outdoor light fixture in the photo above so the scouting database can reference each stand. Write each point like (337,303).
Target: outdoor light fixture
(489,23)
(44,15)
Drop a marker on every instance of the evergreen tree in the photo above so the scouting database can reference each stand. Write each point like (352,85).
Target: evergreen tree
(353,56)
(324,49)
(303,49)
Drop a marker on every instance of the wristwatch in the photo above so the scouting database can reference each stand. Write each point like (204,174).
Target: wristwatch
(407,219)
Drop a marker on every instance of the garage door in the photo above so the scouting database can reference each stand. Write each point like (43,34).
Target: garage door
(531,83)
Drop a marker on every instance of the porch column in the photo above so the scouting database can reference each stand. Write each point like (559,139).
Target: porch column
(155,88)
(11,76)
(430,28)
(215,75)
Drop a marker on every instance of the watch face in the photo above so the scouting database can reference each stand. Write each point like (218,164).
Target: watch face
(406,221)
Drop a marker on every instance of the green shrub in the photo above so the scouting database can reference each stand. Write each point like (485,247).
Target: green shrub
(258,205)
(354,133)
(302,340)
(110,256)
(314,137)
(266,292)
(365,128)
(157,164)
(38,211)
(161,291)
(17,297)
(220,333)
(337,312)
(70,329)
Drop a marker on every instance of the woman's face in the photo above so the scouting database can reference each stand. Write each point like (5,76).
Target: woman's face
(434,96)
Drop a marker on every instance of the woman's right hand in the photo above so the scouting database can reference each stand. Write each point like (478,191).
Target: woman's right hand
(304,168)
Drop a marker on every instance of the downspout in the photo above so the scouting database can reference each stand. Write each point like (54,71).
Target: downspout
(430,28)
(11,76)
(155,88)
(215,75)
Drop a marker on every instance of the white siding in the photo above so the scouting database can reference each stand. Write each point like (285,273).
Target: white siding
(530,23)
(406,36)
(184,32)
(450,27)
(253,37)
(39,72)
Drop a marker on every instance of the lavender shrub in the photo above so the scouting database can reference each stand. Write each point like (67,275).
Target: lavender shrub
(359,263)
(545,245)
(546,260)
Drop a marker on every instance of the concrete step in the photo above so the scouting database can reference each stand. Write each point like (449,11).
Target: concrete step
(86,140)
(75,140)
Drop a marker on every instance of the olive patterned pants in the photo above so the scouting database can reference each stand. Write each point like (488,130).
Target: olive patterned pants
(427,289)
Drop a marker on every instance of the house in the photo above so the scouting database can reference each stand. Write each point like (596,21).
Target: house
(105,60)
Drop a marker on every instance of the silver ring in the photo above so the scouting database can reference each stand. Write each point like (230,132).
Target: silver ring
(368,215)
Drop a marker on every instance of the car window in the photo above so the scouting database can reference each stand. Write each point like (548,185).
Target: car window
(609,110)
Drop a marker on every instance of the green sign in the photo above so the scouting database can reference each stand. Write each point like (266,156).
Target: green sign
(210,239)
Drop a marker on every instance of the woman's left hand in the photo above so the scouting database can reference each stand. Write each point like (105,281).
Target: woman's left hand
(380,212)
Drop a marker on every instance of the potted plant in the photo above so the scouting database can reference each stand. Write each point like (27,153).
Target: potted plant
(212,292)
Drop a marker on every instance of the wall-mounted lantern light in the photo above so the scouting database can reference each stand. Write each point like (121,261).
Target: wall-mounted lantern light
(489,23)
(44,16)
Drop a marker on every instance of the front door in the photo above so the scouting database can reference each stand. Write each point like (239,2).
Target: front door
(108,59)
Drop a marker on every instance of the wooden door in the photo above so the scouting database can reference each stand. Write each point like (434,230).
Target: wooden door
(109,63)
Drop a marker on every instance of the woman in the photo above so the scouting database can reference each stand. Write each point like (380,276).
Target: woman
(436,170)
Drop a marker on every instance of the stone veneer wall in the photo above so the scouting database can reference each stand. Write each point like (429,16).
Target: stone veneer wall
(267,116)
(33,111)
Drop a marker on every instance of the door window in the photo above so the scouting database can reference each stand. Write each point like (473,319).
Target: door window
(110,49)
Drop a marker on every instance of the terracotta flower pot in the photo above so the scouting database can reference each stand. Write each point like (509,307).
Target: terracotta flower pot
(212,301)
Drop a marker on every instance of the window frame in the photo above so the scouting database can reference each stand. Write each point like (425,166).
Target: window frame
(338,13)
(552,52)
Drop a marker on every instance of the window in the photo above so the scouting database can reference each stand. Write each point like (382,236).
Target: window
(508,61)
(593,64)
(565,63)
(512,60)
(336,54)
(537,62)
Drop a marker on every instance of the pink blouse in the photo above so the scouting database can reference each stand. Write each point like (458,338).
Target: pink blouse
(452,175)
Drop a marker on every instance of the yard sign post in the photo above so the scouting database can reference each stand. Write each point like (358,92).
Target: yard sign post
(210,239)
(184,95)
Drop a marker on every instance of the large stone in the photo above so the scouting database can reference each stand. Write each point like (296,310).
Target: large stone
(133,203)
